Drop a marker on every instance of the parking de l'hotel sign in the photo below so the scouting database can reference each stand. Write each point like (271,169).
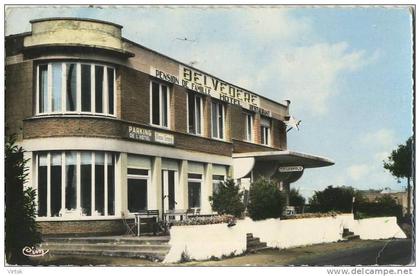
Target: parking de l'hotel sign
(206,84)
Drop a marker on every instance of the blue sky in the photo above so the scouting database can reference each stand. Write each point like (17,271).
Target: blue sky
(346,70)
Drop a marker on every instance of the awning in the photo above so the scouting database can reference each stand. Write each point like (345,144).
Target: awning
(269,162)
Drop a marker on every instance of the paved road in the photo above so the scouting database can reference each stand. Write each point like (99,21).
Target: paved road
(387,252)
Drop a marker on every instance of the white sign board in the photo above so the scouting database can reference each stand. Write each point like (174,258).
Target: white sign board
(291,169)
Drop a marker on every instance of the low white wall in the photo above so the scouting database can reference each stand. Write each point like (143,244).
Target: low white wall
(200,242)
(377,228)
(294,232)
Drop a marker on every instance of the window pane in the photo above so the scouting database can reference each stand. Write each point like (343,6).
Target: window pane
(56,86)
(86,96)
(43,88)
(86,183)
(194,194)
(99,78)
(171,190)
(111,184)
(214,112)
(198,114)
(110,91)
(165,101)
(137,171)
(155,104)
(71,188)
(99,182)
(71,87)
(191,113)
(194,176)
(137,194)
(55,184)
(217,180)
(42,185)
(221,121)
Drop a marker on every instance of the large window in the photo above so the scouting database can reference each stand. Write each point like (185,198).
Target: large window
(217,181)
(137,182)
(265,131)
(73,87)
(159,104)
(249,127)
(76,183)
(194,190)
(217,120)
(195,113)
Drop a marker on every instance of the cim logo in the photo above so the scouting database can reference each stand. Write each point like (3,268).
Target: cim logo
(34,252)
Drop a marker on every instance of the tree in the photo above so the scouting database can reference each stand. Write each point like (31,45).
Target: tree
(295,198)
(20,225)
(333,199)
(266,200)
(400,164)
(227,199)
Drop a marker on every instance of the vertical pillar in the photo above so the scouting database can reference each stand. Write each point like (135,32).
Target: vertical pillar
(207,189)
(286,189)
(182,196)
(121,185)
(156,199)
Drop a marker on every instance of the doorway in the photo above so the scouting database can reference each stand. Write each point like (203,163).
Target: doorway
(169,183)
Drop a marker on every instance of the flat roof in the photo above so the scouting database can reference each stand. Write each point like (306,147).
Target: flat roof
(288,158)
(75,19)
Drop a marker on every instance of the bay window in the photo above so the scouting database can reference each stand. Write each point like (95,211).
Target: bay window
(195,113)
(74,183)
(217,120)
(265,131)
(159,104)
(74,87)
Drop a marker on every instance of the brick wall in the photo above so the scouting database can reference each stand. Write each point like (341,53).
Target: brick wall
(89,227)
(135,95)
(242,146)
(18,96)
(114,128)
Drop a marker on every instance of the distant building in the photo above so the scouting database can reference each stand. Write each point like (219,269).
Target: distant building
(374,195)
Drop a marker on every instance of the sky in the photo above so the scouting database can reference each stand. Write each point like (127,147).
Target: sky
(346,70)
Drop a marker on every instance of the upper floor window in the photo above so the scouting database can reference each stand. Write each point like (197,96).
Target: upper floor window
(249,127)
(195,113)
(72,87)
(217,120)
(265,131)
(159,104)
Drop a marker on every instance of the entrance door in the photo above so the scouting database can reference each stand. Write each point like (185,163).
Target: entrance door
(169,179)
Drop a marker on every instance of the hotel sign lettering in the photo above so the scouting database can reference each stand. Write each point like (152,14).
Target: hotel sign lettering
(216,88)
(149,135)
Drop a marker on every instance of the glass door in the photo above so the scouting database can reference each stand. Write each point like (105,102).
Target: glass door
(169,179)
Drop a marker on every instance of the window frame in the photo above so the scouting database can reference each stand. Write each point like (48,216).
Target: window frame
(199,181)
(265,133)
(195,96)
(147,177)
(249,129)
(168,106)
(78,111)
(218,104)
(77,213)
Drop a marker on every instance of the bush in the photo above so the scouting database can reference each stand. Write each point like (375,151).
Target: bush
(227,199)
(332,199)
(295,198)
(20,226)
(266,200)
